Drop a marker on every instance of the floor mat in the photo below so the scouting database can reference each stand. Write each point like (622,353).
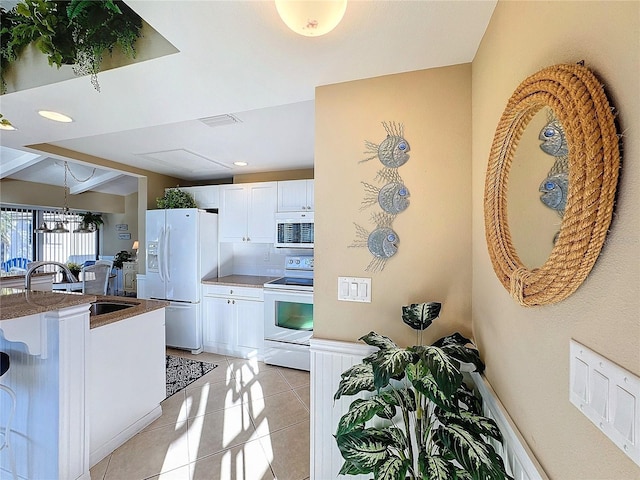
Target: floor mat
(184,371)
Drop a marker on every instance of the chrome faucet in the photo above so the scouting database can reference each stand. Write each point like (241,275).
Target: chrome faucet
(35,265)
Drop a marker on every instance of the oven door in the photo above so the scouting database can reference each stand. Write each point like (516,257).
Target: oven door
(288,316)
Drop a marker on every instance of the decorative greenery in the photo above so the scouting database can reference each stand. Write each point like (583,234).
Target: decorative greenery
(75,268)
(121,257)
(428,423)
(176,198)
(76,32)
(92,221)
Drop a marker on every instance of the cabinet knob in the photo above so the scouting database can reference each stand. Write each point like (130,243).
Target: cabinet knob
(248,239)
(230,292)
(228,301)
(233,301)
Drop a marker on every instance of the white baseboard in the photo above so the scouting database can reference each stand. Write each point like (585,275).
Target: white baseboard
(108,447)
(330,358)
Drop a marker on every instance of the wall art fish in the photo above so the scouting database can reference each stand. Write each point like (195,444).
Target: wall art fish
(382,242)
(393,152)
(393,198)
(554,141)
(555,189)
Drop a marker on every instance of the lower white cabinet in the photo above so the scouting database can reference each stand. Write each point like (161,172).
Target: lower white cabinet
(233,321)
(127,380)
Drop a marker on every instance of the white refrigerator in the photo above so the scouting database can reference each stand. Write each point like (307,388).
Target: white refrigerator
(182,249)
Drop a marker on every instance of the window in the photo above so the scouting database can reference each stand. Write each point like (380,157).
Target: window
(20,243)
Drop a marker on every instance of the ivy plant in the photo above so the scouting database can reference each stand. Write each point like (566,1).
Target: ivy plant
(76,32)
(421,419)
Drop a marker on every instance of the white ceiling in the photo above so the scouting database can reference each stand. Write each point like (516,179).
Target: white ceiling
(234,57)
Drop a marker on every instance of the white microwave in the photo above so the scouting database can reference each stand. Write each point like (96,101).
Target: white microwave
(294,230)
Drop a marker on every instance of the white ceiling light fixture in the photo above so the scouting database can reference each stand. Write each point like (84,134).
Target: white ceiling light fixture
(55,116)
(240,164)
(311,18)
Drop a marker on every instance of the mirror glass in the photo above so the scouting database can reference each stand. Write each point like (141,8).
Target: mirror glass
(538,184)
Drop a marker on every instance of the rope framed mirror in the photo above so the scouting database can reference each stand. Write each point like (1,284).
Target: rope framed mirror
(579,102)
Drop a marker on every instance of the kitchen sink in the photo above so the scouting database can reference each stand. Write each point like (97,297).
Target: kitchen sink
(102,307)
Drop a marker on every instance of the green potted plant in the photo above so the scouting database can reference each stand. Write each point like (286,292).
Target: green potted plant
(421,419)
(75,268)
(176,198)
(90,222)
(121,257)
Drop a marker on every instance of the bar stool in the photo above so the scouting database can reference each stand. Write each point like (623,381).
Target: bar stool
(5,430)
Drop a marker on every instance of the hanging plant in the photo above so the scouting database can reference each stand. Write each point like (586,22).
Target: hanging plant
(91,221)
(76,33)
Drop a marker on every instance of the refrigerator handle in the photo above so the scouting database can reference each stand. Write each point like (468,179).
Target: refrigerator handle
(161,254)
(166,253)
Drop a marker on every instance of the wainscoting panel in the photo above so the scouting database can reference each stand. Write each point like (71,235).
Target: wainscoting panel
(330,358)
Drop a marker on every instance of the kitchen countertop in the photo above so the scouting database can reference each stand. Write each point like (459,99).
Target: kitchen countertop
(16,303)
(254,281)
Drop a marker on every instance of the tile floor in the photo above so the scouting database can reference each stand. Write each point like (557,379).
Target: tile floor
(244,420)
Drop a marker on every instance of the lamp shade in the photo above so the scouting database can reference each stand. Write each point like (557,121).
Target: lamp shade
(311,18)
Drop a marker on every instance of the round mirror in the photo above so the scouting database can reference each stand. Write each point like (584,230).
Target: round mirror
(538,188)
(569,99)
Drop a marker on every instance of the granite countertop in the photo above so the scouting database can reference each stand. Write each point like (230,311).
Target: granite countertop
(255,281)
(16,303)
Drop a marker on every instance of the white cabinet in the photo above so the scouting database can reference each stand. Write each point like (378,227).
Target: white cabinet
(295,195)
(247,212)
(129,274)
(127,380)
(206,196)
(233,321)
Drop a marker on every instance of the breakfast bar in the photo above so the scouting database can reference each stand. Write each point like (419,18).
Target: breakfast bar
(55,349)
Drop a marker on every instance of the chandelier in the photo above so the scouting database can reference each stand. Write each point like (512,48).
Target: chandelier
(59,223)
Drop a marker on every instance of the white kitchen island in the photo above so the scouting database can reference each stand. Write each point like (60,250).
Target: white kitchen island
(63,386)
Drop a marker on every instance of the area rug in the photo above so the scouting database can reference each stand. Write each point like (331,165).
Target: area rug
(184,371)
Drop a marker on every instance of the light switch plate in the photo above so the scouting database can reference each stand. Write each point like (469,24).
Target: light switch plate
(608,395)
(354,289)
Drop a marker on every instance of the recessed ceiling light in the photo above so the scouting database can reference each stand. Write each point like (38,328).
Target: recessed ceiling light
(240,164)
(55,116)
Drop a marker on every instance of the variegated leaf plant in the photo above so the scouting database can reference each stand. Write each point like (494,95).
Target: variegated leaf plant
(421,421)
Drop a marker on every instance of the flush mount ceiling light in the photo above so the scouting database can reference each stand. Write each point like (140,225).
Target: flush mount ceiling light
(311,18)
(240,164)
(55,116)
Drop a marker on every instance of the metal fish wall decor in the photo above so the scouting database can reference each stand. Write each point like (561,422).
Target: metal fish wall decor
(392,197)
(555,187)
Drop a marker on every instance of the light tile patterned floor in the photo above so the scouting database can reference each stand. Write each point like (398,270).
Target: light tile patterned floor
(242,421)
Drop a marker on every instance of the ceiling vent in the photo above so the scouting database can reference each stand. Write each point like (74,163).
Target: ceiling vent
(220,120)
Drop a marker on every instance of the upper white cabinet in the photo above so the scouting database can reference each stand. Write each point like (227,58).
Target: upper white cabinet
(206,196)
(295,196)
(247,212)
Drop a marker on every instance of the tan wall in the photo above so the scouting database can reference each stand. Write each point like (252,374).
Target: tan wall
(111,244)
(527,349)
(434,258)
(17,192)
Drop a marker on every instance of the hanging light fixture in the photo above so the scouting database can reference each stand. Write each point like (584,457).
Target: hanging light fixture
(311,18)
(59,224)
(43,228)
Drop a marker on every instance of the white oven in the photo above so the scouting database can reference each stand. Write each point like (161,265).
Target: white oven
(288,313)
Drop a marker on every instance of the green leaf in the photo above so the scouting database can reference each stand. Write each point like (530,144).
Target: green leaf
(428,386)
(364,448)
(445,370)
(392,468)
(472,452)
(355,380)
(479,424)
(349,468)
(399,438)
(435,467)
(420,315)
(376,340)
(360,411)
(389,363)
(404,398)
